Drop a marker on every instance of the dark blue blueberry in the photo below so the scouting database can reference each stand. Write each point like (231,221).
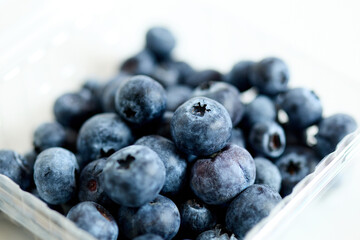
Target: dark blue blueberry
(174,162)
(55,175)
(247,209)
(96,89)
(201,126)
(239,76)
(73,109)
(70,140)
(148,236)
(302,106)
(204,76)
(295,164)
(160,41)
(196,218)
(270,76)
(177,95)
(262,108)
(219,178)
(102,135)
(109,92)
(15,167)
(140,100)
(224,93)
(164,128)
(91,187)
(237,137)
(141,63)
(94,219)
(215,234)
(267,138)
(160,217)
(332,130)
(134,176)
(166,74)
(267,173)
(185,71)
(29,160)
(49,135)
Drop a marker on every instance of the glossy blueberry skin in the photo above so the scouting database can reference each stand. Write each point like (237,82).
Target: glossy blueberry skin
(166,74)
(295,164)
(262,108)
(142,63)
(196,217)
(174,162)
(148,236)
(140,100)
(160,217)
(204,76)
(237,137)
(55,175)
(15,167)
(267,138)
(302,106)
(94,219)
(73,109)
(184,70)
(49,135)
(267,173)
(134,176)
(219,178)
(177,95)
(239,76)
(160,41)
(247,209)
(270,76)
(332,130)
(224,93)
(91,187)
(201,126)
(109,92)
(215,234)
(102,135)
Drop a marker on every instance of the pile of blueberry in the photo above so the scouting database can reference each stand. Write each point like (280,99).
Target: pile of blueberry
(158,152)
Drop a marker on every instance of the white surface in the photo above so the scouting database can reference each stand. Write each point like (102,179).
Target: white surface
(48,47)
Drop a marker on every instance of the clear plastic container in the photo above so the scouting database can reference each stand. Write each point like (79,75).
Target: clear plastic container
(49,48)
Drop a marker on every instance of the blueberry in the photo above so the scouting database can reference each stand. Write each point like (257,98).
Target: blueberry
(204,76)
(237,137)
(201,126)
(91,187)
(177,95)
(148,236)
(224,93)
(267,138)
(215,234)
(70,140)
(295,164)
(267,173)
(166,74)
(160,217)
(109,92)
(270,76)
(164,128)
(29,160)
(15,167)
(134,176)
(184,70)
(174,162)
(247,209)
(332,130)
(239,76)
(196,217)
(219,178)
(302,106)
(160,41)
(262,108)
(140,100)
(102,135)
(141,63)
(54,175)
(49,135)
(94,219)
(73,109)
